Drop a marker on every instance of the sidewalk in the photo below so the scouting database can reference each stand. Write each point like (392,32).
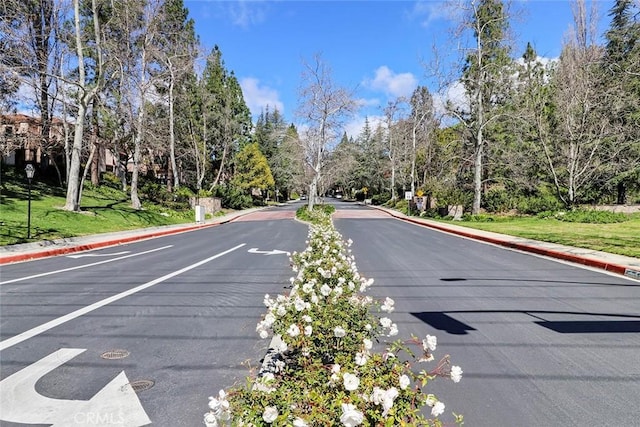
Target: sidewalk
(47,248)
(624,265)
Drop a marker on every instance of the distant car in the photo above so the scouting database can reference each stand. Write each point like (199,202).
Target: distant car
(338,196)
(303,197)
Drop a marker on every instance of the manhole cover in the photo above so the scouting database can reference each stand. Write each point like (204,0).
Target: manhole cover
(141,385)
(114,354)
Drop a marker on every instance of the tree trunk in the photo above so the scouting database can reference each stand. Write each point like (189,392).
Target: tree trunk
(622,193)
(135,200)
(477,174)
(95,148)
(174,182)
(73,180)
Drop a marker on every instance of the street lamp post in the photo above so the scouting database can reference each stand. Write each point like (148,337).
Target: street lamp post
(30,170)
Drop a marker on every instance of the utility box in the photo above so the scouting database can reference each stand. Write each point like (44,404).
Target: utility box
(200,215)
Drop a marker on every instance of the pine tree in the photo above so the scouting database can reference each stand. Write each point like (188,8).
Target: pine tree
(485,80)
(226,112)
(622,79)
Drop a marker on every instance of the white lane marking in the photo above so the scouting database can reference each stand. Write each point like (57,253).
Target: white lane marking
(116,403)
(90,255)
(272,252)
(49,273)
(82,311)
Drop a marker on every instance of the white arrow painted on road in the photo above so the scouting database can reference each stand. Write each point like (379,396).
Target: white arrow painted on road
(115,404)
(97,255)
(273,252)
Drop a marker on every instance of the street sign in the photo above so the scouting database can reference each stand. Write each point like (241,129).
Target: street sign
(408,195)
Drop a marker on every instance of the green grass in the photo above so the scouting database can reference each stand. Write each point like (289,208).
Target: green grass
(621,238)
(104,209)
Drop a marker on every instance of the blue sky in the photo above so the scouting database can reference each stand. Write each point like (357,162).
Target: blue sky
(376,48)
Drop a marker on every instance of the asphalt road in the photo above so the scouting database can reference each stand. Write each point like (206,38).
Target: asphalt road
(188,328)
(541,342)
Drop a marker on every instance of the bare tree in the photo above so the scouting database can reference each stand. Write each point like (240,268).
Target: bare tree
(576,146)
(393,141)
(323,106)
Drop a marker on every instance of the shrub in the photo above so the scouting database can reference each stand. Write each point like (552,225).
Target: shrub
(477,218)
(110,179)
(590,216)
(498,199)
(233,197)
(535,204)
(325,371)
(155,192)
(402,206)
(380,199)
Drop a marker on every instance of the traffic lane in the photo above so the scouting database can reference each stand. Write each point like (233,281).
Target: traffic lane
(30,303)
(541,342)
(193,241)
(44,296)
(189,335)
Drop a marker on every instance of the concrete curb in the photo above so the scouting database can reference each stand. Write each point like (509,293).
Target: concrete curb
(539,250)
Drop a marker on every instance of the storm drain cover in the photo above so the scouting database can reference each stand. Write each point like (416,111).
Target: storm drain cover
(114,354)
(141,385)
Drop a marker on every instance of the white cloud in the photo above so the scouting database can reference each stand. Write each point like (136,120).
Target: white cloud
(431,11)
(368,102)
(246,13)
(542,60)
(259,97)
(355,126)
(389,82)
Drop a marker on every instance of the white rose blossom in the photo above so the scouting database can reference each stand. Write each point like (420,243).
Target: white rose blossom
(387,400)
(438,409)
(351,382)
(270,414)
(293,330)
(430,343)
(393,330)
(404,382)
(308,330)
(361,359)
(385,322)
(339,332)
(299,422)
(388,305)
(456,373)
(351,417)
(325,290)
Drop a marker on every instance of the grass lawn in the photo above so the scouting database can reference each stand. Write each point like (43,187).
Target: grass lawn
(621,238)
(104,209)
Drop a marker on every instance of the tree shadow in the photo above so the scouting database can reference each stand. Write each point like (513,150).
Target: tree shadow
(442,321)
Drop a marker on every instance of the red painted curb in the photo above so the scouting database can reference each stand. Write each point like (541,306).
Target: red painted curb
(614,268)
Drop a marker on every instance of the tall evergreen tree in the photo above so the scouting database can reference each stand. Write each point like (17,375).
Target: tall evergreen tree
(622,79)
(227,113)
(485,78)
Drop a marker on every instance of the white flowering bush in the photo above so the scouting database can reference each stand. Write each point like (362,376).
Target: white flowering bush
(326,371)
